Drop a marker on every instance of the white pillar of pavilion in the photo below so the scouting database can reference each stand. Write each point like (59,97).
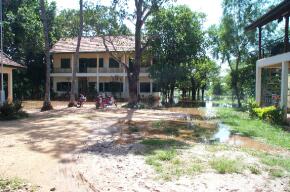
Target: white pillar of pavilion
(98,76)
(124,60)
(284,87)
(258,84)
(10,87)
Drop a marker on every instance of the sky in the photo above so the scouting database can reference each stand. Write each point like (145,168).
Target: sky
(212,8)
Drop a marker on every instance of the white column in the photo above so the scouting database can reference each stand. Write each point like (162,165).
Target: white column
(258,84)
(10,87)
(98,80)
(124,77)
(124,87)
(72,62)
(2,93)
(284,86)
(151,87)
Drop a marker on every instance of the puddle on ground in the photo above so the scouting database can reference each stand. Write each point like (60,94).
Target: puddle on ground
(193,125)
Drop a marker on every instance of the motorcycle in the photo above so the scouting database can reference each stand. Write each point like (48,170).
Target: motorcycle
(81,101)
(103,102)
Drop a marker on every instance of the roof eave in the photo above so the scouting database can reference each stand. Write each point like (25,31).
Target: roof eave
(279,11)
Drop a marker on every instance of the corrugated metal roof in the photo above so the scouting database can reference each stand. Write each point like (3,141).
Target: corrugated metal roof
(95,44)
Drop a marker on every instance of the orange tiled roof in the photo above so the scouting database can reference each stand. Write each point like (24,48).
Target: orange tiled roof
(8,62)
(95,44)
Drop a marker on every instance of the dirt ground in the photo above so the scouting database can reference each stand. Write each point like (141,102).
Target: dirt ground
(75,150)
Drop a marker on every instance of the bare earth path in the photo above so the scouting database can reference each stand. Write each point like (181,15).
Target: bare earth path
(75,150)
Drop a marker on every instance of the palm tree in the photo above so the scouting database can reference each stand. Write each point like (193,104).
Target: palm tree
(46,103)
(76,59)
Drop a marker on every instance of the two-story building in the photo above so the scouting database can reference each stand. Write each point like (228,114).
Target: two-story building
(98,72)
(272,68)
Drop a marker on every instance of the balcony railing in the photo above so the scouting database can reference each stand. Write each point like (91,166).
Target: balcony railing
(94,70)
(111,70)
(273,47)
(61,70)
(144,70)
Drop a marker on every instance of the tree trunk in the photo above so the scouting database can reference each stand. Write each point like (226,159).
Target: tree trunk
(133,76)
(133,91)
(193,89)
(171,97)
(46,104)
(235,81)
(237,93)
(202,93)
(183,93)
(198,94)
(73,92)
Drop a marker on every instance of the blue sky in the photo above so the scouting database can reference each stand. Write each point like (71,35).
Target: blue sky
(212,8)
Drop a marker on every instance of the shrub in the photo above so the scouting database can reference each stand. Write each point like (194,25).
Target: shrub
(270,114)
(252,104)
(10,111)
(223,165)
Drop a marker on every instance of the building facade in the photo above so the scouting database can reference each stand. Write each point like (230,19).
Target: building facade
(98,72)
(8,66)
(272,68)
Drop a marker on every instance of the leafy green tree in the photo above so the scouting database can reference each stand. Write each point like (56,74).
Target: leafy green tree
(98,20)
(143,10)
(24,42)
(46,104)
(73,92)
(203,72)
(179,41)
(230,41)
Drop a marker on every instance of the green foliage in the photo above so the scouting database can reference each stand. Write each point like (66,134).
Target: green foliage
(232,44)
(275,161)
(164,157)
(276,172)
(10,111)
(224,165)
(11,184)
(98,20)
(24,42)
(270,114)
(252,104)
(172,55)
(254,169)
(242,123)
(133,129)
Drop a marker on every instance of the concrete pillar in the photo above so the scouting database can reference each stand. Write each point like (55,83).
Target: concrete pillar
(10,87)
(124,87)
(258,84)
(151,87)
(72,62)
(98,76)
(284,87)
(124,58)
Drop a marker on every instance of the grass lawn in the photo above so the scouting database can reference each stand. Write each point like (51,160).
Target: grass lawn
(15,184)
(241,122)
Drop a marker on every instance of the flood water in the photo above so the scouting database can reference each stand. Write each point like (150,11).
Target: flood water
(198,125)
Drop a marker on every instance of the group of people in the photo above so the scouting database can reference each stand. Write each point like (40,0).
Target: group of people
(102,101)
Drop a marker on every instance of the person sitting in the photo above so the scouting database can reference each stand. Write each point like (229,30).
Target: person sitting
(82,98)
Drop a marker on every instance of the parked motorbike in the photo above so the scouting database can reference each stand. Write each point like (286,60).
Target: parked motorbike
(82,99)
(103,102)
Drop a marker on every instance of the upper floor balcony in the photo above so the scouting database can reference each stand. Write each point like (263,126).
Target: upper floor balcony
(95,70)
(274,47)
